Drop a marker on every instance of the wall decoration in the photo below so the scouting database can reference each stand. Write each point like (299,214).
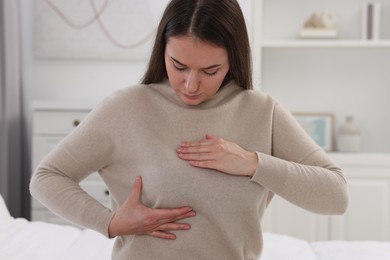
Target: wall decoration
(96,29)
(319,127)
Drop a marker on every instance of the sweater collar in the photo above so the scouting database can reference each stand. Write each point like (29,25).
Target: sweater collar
(224,94)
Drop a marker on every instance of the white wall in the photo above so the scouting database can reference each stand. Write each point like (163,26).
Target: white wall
(339,81)
(62,80)
(357,85)
(68,80)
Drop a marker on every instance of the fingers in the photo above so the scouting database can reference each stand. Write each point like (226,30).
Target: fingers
(207,149)
(163,235)
(165,216)
(211,137)
(161,221)
(203,153)
(174,226)
(219,154)
(136,190)
(205,164)
(133,217)
(195,148)
(164,230)
(195,156)
(209,140)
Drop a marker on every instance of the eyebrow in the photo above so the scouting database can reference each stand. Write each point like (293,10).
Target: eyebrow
(206,68)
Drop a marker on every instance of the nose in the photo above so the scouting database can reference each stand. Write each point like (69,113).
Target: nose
(192,82)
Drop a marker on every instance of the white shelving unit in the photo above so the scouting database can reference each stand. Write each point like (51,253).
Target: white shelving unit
(344,76)
(347,75)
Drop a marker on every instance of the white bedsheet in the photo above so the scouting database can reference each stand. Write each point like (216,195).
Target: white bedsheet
(24,240)
(352,250)
(281,247)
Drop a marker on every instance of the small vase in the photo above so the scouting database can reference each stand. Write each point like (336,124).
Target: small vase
(349,138)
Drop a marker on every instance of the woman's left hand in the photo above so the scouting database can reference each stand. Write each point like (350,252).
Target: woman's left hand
(218,154)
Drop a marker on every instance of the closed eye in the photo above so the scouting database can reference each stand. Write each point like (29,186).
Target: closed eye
(210,73)
(177,65)
(179,68)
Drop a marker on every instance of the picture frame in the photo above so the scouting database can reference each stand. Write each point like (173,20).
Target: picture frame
(319,126)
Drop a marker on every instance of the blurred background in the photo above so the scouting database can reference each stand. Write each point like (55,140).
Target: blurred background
(60,58)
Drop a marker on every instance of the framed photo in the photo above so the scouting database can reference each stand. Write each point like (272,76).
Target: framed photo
(319,126)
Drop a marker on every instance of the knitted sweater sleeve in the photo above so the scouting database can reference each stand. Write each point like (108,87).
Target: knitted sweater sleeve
(55,182)
(299,170)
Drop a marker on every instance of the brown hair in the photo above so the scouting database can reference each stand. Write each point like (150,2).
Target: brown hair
(219,22)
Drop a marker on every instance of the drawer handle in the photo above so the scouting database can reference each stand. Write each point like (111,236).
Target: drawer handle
(107,192)
(76,122)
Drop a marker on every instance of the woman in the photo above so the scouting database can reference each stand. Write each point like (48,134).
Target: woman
(192,154)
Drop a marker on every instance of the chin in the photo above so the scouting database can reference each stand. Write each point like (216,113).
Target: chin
(191,102)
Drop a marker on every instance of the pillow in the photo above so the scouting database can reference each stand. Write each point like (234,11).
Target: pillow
(4,213)
(282,247)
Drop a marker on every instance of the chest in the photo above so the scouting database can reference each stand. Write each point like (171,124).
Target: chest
(149,150)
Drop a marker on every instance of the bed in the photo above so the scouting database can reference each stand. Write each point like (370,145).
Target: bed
(21,239)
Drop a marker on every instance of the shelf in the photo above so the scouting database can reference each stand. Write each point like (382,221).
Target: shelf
(63,105)
(326,44)
(374,160)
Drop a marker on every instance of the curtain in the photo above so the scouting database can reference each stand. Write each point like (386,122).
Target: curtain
(14,171)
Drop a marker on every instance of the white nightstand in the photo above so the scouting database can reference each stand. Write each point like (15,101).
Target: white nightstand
(52,122)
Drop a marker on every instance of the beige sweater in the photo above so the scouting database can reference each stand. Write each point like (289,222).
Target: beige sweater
(135,132)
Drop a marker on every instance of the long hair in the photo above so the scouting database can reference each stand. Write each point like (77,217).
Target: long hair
(219,22)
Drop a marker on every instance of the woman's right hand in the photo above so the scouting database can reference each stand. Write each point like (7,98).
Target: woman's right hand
(134,218)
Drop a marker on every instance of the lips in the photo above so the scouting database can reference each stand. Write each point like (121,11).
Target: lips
(191,96)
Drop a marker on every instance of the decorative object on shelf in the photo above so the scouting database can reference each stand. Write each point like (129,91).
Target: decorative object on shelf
(371,21)
(348,139)
(319,126)
(319,26)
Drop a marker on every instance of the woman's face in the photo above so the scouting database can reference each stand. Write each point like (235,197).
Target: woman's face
(195,69)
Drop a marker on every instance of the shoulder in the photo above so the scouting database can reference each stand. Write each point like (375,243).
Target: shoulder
(117,103)
(263,105)
(259,95)
(258,99)
(124,94)
(129,97)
